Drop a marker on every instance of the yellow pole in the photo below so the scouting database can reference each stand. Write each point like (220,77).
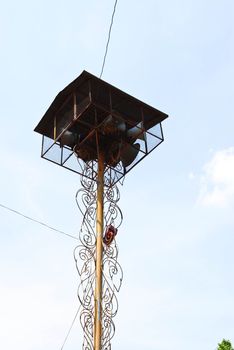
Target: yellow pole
(98,268)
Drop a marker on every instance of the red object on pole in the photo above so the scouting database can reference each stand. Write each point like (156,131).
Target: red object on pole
(110,234)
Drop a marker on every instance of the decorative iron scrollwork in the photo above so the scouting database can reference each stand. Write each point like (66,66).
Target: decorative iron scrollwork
(85,257)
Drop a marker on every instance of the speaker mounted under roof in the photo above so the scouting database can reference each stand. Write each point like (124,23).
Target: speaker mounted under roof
(90,115)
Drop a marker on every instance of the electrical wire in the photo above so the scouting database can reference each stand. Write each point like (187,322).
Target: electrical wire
(108,40)
(37,221)
(72,324)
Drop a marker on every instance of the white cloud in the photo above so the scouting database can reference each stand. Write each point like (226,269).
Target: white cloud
(191,176)
(217,180)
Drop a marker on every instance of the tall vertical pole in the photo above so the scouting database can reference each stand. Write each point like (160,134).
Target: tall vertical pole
(98,267)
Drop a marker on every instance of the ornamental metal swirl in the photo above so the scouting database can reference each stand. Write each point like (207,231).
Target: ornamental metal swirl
(85,258)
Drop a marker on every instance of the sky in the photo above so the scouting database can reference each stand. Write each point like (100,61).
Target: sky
(176,241)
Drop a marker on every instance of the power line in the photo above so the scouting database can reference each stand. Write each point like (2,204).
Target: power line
(37,221)
(59,231)
(73,321)
(108,40)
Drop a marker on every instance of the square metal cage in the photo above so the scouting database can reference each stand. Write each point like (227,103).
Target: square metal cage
(89,115)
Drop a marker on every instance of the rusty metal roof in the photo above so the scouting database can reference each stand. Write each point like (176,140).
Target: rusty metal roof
(98,84)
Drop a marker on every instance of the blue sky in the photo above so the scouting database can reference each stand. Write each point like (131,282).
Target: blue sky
(176,242)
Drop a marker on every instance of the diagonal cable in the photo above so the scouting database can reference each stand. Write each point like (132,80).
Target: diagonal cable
(37,221)
(108,40)
(72,324)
